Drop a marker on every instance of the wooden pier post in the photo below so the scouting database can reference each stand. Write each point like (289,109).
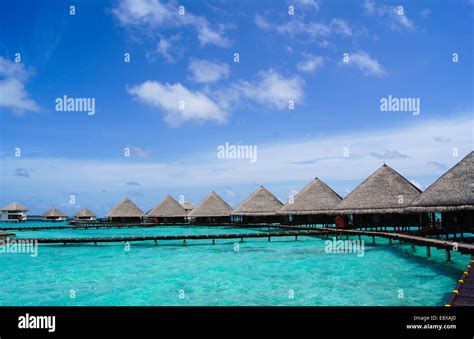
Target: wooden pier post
(156,242)
(390,240)
(428,251)
(213,241)
(296,238)
(448,255)
(184,242)
(373,240)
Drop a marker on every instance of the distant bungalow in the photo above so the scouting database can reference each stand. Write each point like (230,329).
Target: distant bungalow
(452,195)
(211,210)
(85,214)
(260,207)
(54,215)
(168,211)
(14,211)
(312,205)
(126,212)
(187,206)
(380,200)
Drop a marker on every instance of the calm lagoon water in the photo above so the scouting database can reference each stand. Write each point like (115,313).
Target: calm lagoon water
(254,272)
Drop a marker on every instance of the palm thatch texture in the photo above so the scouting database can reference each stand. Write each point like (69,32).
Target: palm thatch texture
(453,191)
(211,206)
(385,191)
(14,207)
(315,198)
(187,206)
(168,207)
(126,209)
(260,203)
(54,213)
(85,213)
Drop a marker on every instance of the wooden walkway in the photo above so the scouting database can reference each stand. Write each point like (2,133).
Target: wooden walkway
(463,294)
(464,248)
(99,226)
(155,238)
(6,234)
(448,246)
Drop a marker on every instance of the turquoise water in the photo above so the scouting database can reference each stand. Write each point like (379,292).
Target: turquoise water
(280,272)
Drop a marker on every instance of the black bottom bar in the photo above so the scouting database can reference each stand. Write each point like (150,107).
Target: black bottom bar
(243,321)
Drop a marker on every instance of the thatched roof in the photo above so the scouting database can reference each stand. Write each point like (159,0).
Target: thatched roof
(380,193)
(54,212)
(212,206)
(168,207)
(316,197)
(14,206)
(454,190)
(260,202)
(187,206)
(85,213)
(125,208)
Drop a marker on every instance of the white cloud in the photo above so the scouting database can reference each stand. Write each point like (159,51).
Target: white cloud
(147,12)
(166,48)
(13,77)
(205,71)
(307,3)
(271,88)
(178,103)
(314,30)
(282,162)
(140,152)
(395,15)
(368,65)
(340,26)
(151,14)
(311,63)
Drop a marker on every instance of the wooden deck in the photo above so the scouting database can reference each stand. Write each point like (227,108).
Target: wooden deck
(448,246)
(154,238)
(463,293)
(98,225)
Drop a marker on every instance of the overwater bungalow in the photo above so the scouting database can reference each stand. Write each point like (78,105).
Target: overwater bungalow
(211,210)
(260,207)
(54,215)
(13,212)
(380,200)
(85,214)
(449,201)
(312,205)
(168,211)
(126,212)
(187,206)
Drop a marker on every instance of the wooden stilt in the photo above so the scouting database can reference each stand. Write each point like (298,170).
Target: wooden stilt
(428,251)
(448,255)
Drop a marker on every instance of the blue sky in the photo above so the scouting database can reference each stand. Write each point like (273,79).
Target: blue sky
(403,52)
